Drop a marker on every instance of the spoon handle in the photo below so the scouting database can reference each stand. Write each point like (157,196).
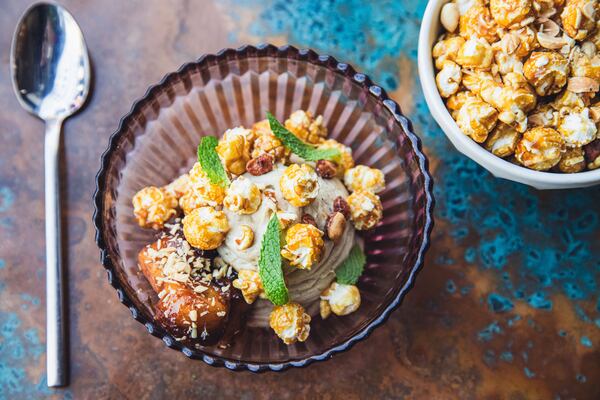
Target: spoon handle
(56,345)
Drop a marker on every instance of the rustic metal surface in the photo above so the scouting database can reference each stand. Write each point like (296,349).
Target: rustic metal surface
(507,305)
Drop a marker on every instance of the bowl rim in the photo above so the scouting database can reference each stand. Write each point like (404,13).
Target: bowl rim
(497,166)
(265,50)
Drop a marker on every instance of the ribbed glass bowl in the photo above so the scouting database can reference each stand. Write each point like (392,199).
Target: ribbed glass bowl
(156,141)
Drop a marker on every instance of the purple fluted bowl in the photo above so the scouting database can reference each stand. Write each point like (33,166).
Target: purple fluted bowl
(157,139)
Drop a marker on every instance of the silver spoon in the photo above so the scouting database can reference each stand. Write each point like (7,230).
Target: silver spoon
(51,77)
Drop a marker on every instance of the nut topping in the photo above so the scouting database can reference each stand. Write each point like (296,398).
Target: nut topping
(308,219)
(581,84)
(335,226)
(326,169)
(340,205)
(260,165)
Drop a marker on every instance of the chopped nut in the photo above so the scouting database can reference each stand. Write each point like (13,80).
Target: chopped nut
(260,165)
(290,322)
(308,219)
(580,84)
(449,16)
(326,169)
(340,205)
(335,226)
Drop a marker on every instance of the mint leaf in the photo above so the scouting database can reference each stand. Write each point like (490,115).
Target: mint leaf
(210,162)
(297,146)
(352,267)
(269,264)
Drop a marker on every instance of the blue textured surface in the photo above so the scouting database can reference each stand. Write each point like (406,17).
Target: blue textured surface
(537,245)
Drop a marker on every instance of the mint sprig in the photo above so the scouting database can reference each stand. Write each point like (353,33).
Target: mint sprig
(297,146)
(210,162)
(352,267)
(269,264)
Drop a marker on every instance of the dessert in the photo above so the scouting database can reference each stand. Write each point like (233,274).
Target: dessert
(521,78)
(263,231)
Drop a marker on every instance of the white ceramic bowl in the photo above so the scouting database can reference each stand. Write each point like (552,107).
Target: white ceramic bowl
(430,30)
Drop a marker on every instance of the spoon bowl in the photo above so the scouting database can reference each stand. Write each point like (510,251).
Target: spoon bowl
(50,70)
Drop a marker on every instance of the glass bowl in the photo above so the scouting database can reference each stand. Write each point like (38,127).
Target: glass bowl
(156,141)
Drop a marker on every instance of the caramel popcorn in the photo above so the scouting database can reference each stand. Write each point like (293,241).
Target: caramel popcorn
(179,186)
(579,18)
(456,101)
(365,208)
(153,207)
(476,119)
(540,148)
(513,101)
(304,245)
(446,50)
(509,12)
(572,161)
(340,299)
(362,177)
(477,22)
(346,161)
(299,184)
(503,140)
(448,79)
(205,228)
(474,80)
(266,142)
(244,237)
(290,322)
(527,42)
(304,126)
(200,191)
(286,219)
(546,71)
(577,128)
(475,53)
(584,65)
(249,283)
(234,149)
(242,196)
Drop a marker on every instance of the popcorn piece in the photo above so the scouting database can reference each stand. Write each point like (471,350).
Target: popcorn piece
(540,148)
(290,322)
(508,63)
(340,299)
(456,101)
(244,237)
(513,101)
(475,53)
(503,140)
(577,128)
(362,177)
(579,18)
(473,80)
(249,283)
(234,149)
(527,42)
(299,184)
(267,143)
(179,186)
(572,161)
(304,126)
(477,22)
(153,207)
(585,66)
(242,196)
(543,115)
(200,192)
(547,72)
(509,12)
(448,79)
(304,245)
(205,228)
(476,119)
(286,219)
(346,161)
(449,16)
(365,208)
(446,50)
